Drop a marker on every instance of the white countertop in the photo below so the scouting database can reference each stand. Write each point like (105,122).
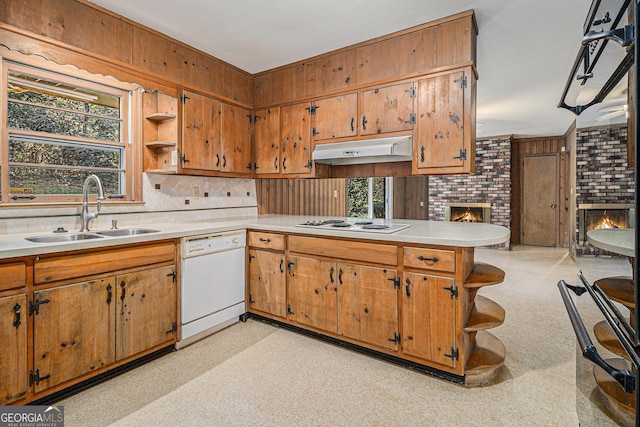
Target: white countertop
(617,240)
(421,232)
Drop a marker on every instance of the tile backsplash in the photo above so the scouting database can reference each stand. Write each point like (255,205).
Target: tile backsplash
(167,198)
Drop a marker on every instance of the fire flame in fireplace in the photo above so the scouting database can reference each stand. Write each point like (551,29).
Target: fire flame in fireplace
(468,216)
(605,222)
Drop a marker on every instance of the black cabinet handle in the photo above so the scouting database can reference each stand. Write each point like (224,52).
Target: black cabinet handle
(224,161)
(281,265)
(353,122)
(123,287)
(16,310)
(265,240)
(283,163)
(217,159)
(434,259)
(275,163)
(364,122)
(331,274)
(421,154)
(406,287)
(109,294)
(340,276)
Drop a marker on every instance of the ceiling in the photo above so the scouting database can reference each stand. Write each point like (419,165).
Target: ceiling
(525,48)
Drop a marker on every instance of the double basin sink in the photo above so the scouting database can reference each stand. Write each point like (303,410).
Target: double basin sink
(72,237)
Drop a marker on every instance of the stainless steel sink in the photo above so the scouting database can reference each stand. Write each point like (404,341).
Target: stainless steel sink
(126,232)
(54,238)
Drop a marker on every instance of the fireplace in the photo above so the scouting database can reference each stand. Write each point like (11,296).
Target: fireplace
(467,212)
(605,215)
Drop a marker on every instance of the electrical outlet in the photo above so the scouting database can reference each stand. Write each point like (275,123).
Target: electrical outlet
(335,193)
(421,204)
(174,158)
(195,192)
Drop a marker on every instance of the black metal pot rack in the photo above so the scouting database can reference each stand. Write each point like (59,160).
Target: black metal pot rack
(591,50)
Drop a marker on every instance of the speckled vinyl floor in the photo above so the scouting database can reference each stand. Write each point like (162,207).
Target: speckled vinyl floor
(254,374)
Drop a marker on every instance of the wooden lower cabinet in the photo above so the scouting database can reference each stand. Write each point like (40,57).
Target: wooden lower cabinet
(312,286)
(146,310)
(13,356)
(73,331)
(267,290)
(368,305)
(428,318)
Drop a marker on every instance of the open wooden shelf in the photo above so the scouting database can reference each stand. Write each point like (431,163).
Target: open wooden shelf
(162,171)
(160,117)
(619,289)
(620,403)
(484,275)
(159,144)
(485,314)
(608,339)
(486,358)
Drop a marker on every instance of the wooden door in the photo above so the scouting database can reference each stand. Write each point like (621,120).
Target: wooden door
(267,287)
(73,331)
(201,132)
(312,293)
(425,303)
(335,117)
(368,305)
(235,146)
(387,109)
(440,123)
(266,143)
(13,356)
(295,139)
(540,200)
(146,311)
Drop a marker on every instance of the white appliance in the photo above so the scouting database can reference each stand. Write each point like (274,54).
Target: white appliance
(353,224)
(378,150)
(212,285)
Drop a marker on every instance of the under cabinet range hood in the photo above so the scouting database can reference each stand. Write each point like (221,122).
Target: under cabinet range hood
(379,150)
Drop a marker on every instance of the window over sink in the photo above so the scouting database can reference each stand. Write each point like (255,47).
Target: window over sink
(62,125)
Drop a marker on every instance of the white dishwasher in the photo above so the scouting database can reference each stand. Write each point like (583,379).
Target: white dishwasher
(212,285)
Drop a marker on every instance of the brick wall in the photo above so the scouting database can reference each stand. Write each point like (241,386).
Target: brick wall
(602,173)
(491,183)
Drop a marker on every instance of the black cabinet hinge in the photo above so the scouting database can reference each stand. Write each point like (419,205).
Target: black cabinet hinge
(183,98)
(314,132)
(312,109)
(412,119)
(395,339)
(463,155)
(455,354)
(249,166)
(309,165)
(462,81)
(174,276)
(453,291)
(174,328)
(250,118)
(412,92)
(35,378)
(396,282)
(251,257)
(183,159)
(34,306)
(289,309)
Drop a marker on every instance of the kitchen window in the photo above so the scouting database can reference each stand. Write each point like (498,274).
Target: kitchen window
(370,197)
(59,128)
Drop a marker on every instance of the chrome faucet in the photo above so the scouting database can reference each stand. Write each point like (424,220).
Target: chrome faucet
(85,215)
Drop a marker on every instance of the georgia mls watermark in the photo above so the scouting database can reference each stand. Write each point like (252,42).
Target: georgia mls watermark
(32,416)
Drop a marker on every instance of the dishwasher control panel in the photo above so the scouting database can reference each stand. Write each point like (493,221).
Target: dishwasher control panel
(214,242)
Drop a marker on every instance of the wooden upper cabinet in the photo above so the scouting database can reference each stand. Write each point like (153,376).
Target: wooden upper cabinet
(13,357)
(201,132)
(295,139)
(266,141)
(387,109)
(444,141)
(335,117)
(235,146)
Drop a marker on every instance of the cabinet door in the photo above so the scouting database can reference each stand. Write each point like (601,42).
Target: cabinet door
(312,293)
(235,148)
(387,109)
(146,312)
(295,139)
(267,289)
(266,131)
(368,305)
(201,132)
(13,357)
(73,331)
(335,117)
(426,304)
(442,125)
